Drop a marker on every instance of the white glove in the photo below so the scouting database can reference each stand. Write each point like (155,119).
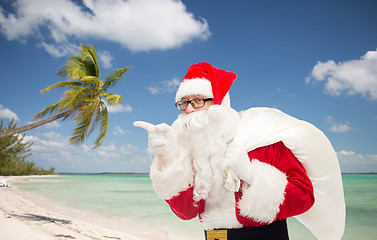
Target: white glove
(232,182)
(161,138)
(237,159)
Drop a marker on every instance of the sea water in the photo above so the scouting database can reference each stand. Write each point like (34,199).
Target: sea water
(131,197)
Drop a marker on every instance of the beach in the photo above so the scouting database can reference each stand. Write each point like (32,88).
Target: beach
(22,217)
(125,206)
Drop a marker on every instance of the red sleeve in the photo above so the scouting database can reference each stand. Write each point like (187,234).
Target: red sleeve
(299,196)
(183,205)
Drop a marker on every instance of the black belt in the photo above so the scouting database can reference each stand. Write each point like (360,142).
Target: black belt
(274,231)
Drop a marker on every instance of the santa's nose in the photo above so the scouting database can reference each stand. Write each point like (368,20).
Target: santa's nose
(190,109)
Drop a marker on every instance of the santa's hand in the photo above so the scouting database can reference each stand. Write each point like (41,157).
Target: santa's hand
(232,182)
(237,159)
(144,125)
(161,137)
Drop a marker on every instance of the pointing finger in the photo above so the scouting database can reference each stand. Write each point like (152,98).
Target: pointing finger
(147,126)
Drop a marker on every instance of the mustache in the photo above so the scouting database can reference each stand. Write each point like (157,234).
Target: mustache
(194,122)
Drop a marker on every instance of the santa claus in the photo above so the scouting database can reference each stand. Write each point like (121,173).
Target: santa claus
(243,174)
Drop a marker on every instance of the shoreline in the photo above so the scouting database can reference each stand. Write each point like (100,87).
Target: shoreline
(27,216)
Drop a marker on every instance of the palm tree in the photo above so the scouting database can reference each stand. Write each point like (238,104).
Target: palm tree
(84,100)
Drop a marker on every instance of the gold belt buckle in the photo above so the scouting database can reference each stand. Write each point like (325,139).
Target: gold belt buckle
(217,235)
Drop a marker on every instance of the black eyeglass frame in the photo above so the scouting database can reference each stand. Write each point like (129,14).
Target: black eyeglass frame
(179,106)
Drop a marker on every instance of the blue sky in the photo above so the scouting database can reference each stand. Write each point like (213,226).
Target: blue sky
(315,60)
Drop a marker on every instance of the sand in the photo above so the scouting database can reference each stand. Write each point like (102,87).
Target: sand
(24,217)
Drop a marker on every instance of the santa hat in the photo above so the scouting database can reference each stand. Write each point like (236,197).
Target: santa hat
(208,81)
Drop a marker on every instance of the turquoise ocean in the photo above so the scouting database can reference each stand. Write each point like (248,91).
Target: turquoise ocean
(130,197)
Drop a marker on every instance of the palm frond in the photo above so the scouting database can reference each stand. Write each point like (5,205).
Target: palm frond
(74,97)
(90,110)
(80,66)
(95,118)
(74,69)
(112,99)
(117,75)
(87,121)
(89,58)
(91,81)
(80,132)
(104,124)
(85,111)
(63,84)
(49,110)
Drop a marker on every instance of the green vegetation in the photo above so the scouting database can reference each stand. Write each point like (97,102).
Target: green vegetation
(13,151)
(85,100)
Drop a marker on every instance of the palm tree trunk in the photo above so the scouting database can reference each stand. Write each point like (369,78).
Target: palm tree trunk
(36,124)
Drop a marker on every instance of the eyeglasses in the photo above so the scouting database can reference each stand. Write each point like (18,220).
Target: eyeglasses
(195,103)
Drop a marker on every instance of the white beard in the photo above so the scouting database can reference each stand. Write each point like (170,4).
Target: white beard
(205,136)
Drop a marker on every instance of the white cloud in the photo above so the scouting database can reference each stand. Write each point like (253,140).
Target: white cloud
(128,149)
(53,149)
(347,153)
(351,161)
(60,50)
(6,113)
(119,108)
(108,151)
(352,77)
(53,124)
(48,140)
(338,127)
(165,86)
(106,58)
(139,25)
(118,131)
(113,152)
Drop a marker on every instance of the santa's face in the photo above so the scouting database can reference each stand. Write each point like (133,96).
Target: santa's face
(190,108)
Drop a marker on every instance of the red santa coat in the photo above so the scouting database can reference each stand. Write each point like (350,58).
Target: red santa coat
(283,182)
(298,199)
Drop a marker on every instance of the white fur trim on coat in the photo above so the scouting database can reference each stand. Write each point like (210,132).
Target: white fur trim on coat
(219,212)
(174,177)
(261,199)
(195,86)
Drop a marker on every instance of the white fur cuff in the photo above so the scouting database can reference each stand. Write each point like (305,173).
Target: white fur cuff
(262,199)
(171,179)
